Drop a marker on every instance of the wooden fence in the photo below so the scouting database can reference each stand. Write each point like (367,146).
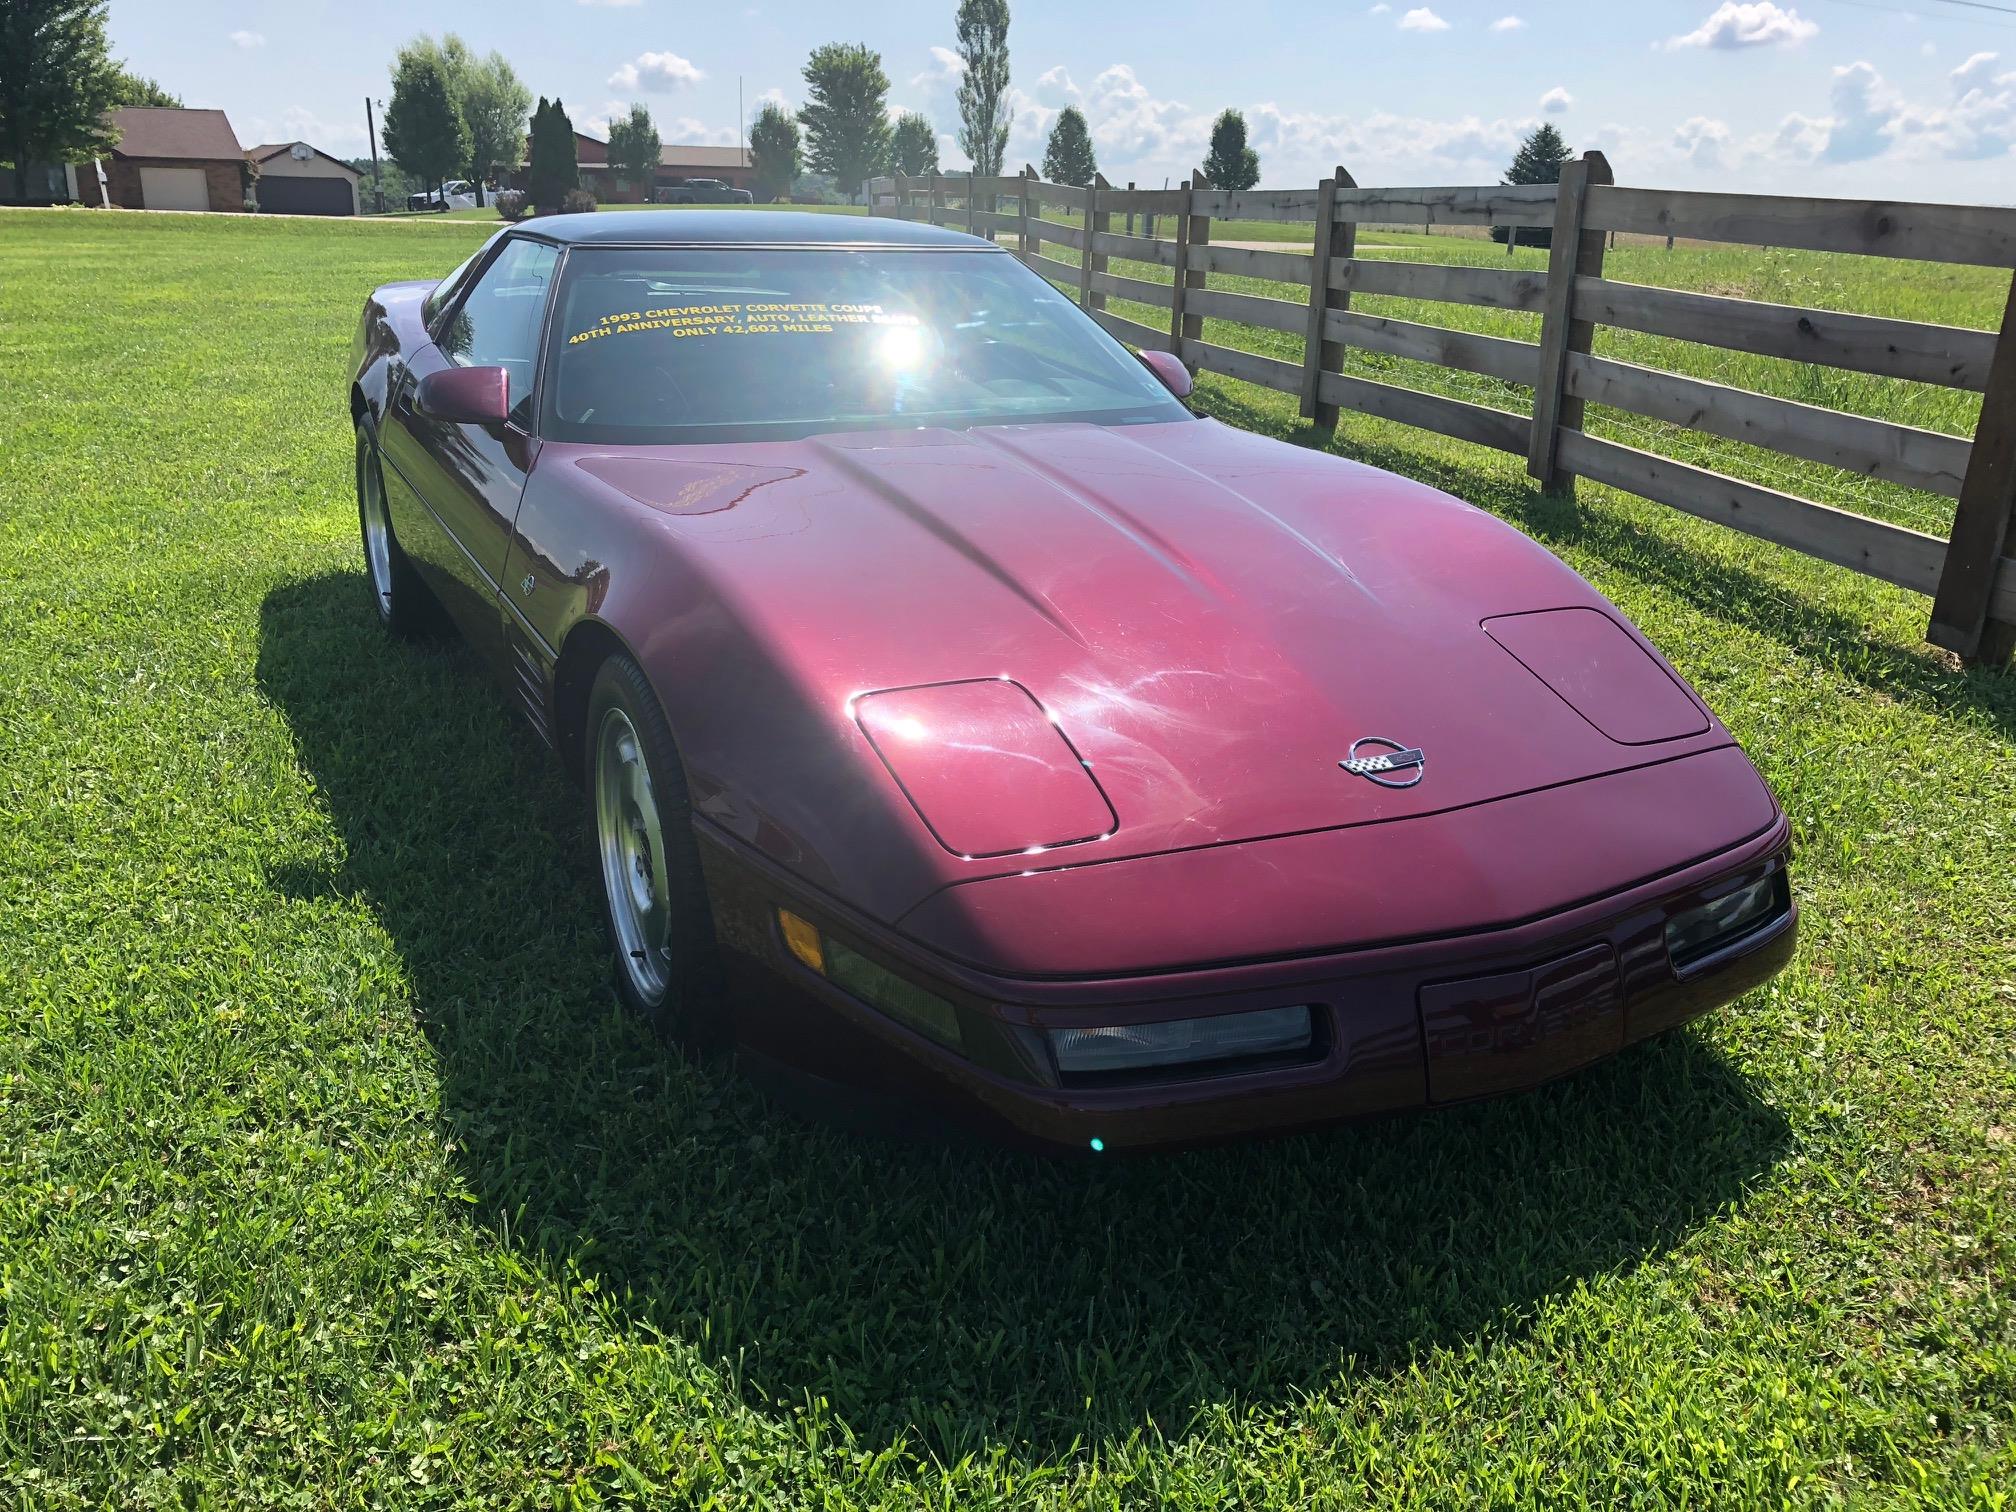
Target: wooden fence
(1970,579)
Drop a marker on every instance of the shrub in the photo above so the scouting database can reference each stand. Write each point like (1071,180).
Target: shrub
(510,204)
(578,201)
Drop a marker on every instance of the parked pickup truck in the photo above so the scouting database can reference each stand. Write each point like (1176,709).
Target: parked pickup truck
(704,191)
(459,194)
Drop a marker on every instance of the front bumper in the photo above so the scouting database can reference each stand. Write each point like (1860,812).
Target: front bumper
(1410,1025)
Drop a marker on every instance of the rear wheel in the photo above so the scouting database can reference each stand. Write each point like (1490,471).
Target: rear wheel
(401,599)
(654,898)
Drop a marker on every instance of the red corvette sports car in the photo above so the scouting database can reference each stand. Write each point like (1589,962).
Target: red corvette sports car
(963,719)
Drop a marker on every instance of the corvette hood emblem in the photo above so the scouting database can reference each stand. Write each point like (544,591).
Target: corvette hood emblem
(1386,762)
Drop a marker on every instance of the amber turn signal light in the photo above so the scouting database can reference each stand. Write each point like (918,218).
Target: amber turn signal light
(801,937)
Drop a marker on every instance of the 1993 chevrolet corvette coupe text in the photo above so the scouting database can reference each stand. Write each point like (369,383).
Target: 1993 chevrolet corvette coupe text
(962,718)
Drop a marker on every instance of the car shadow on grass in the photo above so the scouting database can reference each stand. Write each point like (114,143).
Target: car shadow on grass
(958,1298)
(1838,642)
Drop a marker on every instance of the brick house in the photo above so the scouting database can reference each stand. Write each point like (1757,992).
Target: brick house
(174,160)
(676,164)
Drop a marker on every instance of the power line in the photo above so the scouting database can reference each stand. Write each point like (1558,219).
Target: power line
(1914,13)
(2006,10)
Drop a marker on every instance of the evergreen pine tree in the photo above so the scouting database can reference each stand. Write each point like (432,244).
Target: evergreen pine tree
(555,169)
(1538,161)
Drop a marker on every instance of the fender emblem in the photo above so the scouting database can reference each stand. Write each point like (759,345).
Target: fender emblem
(1396,766)
(528,585)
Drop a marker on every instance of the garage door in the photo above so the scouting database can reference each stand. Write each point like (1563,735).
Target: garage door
(174,189)
(304,196)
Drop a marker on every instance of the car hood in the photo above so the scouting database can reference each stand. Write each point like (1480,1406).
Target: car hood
(1212,620)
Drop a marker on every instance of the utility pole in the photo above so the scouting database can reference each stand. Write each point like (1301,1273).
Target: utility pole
(377,177)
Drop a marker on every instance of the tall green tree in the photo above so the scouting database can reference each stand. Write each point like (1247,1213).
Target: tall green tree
(56,83)
(1538,161)
(137,89)
(913,145)
(487,95)
(449,53)
(633,147)
(773,151)
(424,133)
(555,169)
(1068,159)
(846,116)
(494,104)
(1231,164)
(984,112)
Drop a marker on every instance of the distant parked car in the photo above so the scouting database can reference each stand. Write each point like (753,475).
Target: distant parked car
(456,194)
(704,191)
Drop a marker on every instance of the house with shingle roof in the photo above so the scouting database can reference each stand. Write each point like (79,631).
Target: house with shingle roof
(173,159)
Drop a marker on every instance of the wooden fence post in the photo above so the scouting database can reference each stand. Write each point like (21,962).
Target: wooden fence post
(1031,240)
(1130,207)
(1096,221)
(1320,355)
(1574,252)
(972,205)
(1984,521)
(937,200)
(1193,231)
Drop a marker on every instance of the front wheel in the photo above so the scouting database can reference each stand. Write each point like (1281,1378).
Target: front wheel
(654,898)
(396,590)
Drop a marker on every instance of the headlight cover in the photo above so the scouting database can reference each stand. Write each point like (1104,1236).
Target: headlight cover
(1696,934)
(1183,1042)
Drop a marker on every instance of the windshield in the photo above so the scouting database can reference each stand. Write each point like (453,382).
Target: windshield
(668,344)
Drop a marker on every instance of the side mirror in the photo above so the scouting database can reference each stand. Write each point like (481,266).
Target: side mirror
(1169,369)
(465,395)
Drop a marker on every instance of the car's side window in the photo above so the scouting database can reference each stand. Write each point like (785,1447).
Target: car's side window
(499,323)
(444,291)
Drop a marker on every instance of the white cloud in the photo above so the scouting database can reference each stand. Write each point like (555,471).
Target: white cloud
(245,41)
(775,97)
(946,68)
(1556,100)
(1976,70)
(658,72)
(596,123)
(1059,79)
(1737,23)
(1423,20)
(1381,9)
(1928,48)
(1701,141)
(1870,118)
(1508,24)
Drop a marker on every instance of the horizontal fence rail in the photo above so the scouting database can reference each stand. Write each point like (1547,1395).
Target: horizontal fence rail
(1071,235)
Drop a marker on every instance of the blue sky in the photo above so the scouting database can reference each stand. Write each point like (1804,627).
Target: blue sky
(1881,98)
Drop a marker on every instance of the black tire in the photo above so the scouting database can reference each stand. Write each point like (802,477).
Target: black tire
(405,606)
(679,991)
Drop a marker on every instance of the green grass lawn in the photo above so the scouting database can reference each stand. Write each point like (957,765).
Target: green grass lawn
(330,1175)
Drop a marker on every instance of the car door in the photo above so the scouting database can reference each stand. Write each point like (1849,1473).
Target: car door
(468,478)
